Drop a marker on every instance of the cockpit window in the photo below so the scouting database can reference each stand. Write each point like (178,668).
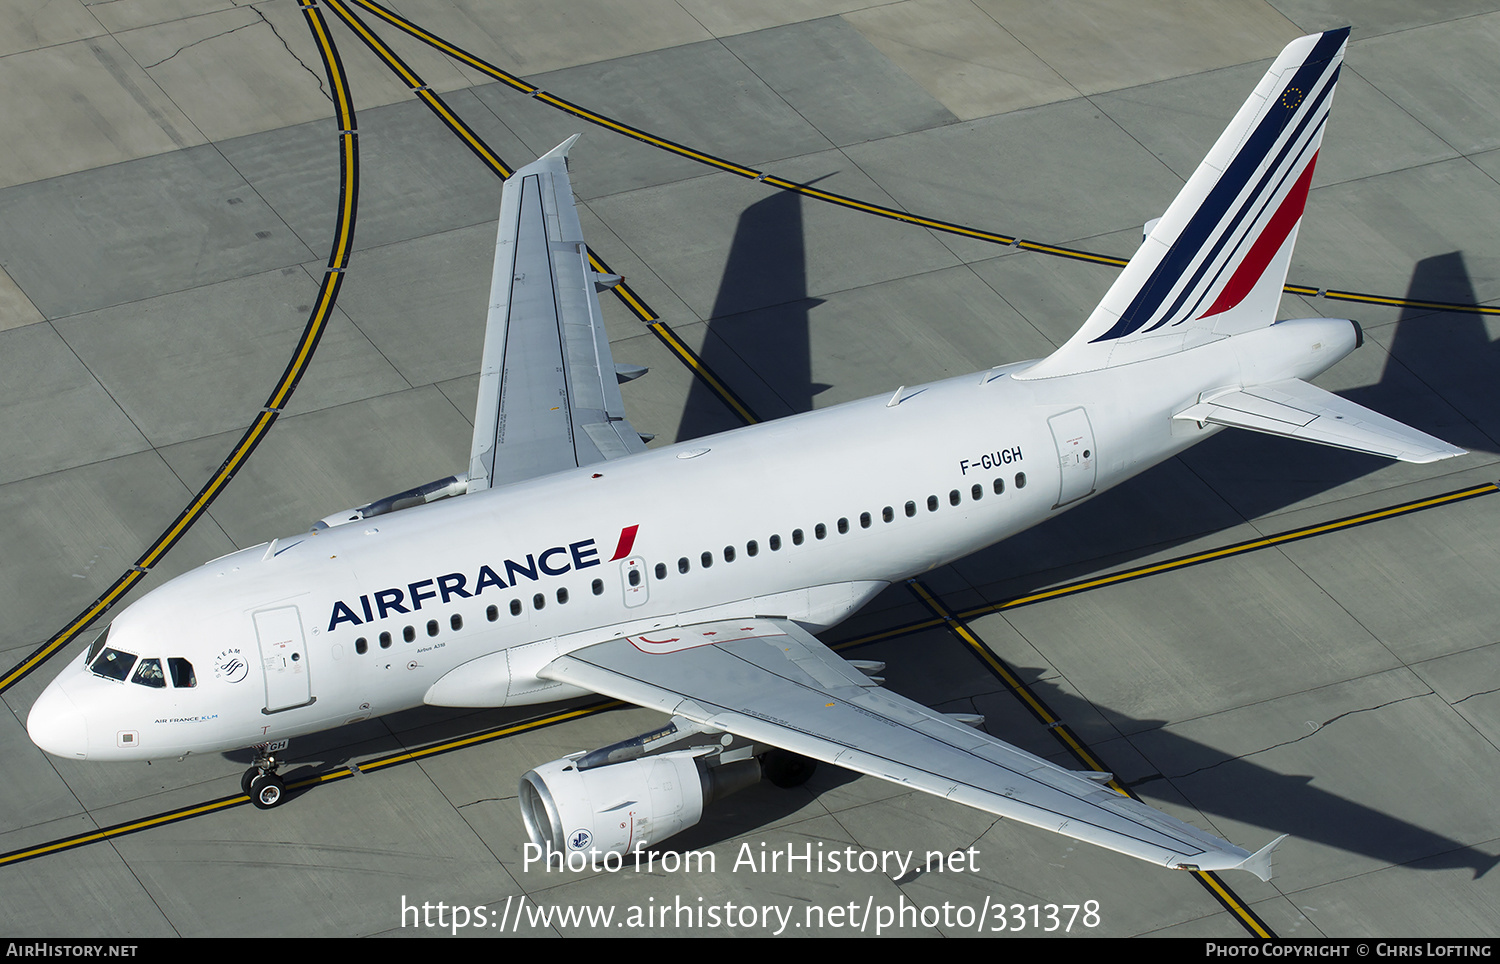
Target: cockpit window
(148,673)
(112,664)
(97,645)
(182,672)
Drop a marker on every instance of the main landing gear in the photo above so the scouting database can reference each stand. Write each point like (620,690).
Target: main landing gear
(786,769)
(261,783)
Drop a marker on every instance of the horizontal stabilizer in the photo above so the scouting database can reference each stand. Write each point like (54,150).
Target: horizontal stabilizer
(1295,409)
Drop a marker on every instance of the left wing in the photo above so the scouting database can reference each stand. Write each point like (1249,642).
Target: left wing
(549,395)
(772,682)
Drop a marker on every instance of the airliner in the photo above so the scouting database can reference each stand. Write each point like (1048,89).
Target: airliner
(692,578)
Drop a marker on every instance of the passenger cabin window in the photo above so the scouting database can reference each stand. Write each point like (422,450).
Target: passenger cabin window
(598,587)
(661,570)
(775,543)
(1020,480)
(752,548)
(385,640)
(999,486)
(409,633)
(456,622)
(796,537)
(954,498)
(361,645)
(432,627)
(820,531)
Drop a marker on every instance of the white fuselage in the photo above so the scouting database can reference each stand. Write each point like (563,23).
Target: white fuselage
(806,517)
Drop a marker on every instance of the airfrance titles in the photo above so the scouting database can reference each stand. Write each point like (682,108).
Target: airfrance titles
(505,574)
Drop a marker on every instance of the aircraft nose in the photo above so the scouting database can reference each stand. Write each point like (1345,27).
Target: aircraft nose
(56,725)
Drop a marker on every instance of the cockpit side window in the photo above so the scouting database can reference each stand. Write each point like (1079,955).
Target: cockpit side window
(97,645)
(183,676)
(148,673)
(112,664)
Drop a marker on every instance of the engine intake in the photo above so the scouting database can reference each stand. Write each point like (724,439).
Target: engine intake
(621,807)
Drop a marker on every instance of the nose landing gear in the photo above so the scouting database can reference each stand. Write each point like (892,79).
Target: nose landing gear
(264,788)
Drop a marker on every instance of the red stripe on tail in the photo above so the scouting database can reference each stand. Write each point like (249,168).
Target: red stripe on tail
(1266,246)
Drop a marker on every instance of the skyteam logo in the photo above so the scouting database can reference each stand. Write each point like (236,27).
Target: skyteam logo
(504,574)
(231,666)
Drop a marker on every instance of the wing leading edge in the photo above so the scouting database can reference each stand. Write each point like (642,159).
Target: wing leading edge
(549,398)
(772,682)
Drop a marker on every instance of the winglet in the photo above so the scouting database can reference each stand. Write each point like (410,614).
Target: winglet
(1259,863)
(562,149)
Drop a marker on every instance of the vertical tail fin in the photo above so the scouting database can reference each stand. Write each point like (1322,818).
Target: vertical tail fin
(1215,263)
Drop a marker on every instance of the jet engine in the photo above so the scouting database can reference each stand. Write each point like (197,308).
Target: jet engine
(620,799)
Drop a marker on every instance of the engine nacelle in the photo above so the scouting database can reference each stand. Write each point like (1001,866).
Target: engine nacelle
(421,495)
(621,807)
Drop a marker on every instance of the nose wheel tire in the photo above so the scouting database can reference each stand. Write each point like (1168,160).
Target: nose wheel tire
(260,782)
(266,790)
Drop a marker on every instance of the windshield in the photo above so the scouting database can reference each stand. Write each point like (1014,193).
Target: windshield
(112,664)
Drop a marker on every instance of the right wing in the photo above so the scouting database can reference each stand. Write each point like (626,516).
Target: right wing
(549,396)
(772,682)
